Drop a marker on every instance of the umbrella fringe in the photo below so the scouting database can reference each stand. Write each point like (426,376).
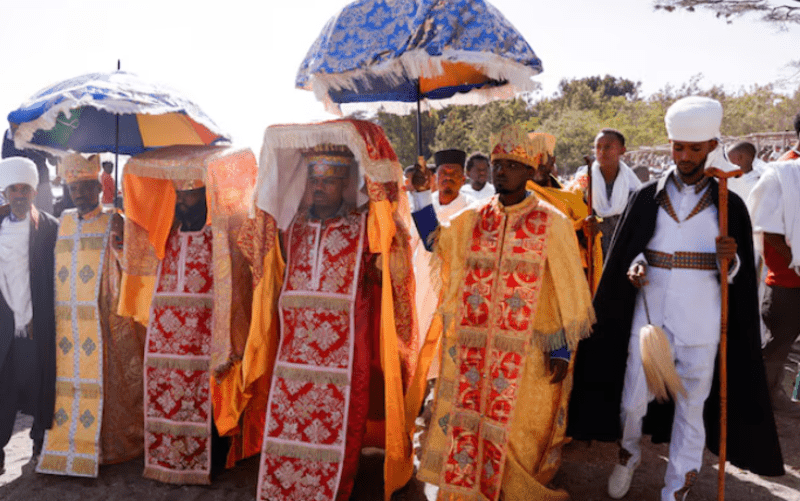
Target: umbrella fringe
(412,65)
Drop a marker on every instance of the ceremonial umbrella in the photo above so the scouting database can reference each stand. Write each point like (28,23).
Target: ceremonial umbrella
(115,112)
(462,51)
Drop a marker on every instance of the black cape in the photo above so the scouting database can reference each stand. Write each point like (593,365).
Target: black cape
(594,412)
(42,263)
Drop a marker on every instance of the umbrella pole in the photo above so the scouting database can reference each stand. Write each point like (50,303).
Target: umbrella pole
(116,155)
(420,157)
(723,344)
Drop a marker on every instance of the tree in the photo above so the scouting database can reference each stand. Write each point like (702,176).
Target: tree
(779,12)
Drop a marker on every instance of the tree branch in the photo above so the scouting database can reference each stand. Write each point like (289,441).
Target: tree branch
(770,11)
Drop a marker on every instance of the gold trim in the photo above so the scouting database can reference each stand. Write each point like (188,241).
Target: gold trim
(189,430)
(464,420)
(521,266)
(64,245)
(177,477)
(509,344)
(328,303)
(63,312)
(176,363)
(86,390)
(447,388)
(84,466)
(86,312)
(492,433)
(483,263)
(53,462)
(166,300)
(91,243)
(471,339)
(302,452)
(316,377)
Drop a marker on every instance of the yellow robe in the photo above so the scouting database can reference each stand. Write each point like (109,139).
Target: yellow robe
(572,205)
(512,290)
(98,412)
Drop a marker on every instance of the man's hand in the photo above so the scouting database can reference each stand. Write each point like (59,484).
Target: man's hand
(637,274)
(726,248)
(117,233)
(421,178)
(558,368)
(590,225)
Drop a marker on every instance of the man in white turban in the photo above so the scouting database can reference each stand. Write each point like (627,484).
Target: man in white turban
(775,206)
(27,323)
(662,269)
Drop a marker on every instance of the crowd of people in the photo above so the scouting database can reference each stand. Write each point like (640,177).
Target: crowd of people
(511,309)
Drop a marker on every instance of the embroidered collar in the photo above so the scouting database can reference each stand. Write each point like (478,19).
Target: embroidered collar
(92,214)
(698,186)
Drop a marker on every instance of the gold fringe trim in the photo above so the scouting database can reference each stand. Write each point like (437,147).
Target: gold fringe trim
(188,430)
(328,303)
(432,461)
(63,312)
(316,377)
(87,312)
(569,336)
(471,339)
(447,388)
(160,301)
(468,421)
(64,246)
(524,267)
(85,390)
(482,263)
(302,452)
(510,344)
(52,463)
(494,434)
(177,363)
(91,244)
(84,466)
(177,477)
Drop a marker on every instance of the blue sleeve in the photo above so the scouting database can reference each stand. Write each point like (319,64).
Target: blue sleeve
(562,353)
(427,223)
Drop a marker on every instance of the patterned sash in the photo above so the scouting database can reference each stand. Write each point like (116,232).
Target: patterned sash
(505,263)
(304,439)
(177,401)
(72,446)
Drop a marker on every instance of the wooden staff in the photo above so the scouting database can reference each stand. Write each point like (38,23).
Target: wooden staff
(723,336)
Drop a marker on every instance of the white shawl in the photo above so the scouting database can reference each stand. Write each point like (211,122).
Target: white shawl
(624,184)
(15,284)
(774,206)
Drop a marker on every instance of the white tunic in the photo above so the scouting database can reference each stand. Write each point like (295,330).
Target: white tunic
(485,192)
(15,282)
(685,301)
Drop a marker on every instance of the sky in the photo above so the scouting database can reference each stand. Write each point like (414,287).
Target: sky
(238,59)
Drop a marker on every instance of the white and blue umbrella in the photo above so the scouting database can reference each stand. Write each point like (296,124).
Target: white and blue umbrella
(462,51)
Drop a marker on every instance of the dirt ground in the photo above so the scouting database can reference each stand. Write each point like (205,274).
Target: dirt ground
(583,474)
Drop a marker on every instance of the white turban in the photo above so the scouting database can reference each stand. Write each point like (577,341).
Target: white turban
(18,170)
(695,119)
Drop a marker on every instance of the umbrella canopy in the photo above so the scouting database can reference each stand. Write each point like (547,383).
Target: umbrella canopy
(408,50)
(81,114)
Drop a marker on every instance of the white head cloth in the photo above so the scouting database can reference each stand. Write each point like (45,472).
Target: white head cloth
(18,170)
(695,119)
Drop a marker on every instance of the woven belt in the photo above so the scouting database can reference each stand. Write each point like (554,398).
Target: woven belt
(690,260)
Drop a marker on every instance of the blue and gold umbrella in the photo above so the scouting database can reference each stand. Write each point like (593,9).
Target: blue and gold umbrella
(463,51)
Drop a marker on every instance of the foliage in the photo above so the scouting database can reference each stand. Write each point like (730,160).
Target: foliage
(579,109)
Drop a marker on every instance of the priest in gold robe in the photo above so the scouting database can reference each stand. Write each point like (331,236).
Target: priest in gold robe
(98,410)
(514,302)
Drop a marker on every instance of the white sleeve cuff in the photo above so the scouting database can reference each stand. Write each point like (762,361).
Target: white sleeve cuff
(734,269)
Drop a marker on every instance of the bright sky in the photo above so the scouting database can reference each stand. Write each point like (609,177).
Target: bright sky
(238,58)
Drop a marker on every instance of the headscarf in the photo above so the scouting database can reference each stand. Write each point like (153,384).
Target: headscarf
(18,170)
